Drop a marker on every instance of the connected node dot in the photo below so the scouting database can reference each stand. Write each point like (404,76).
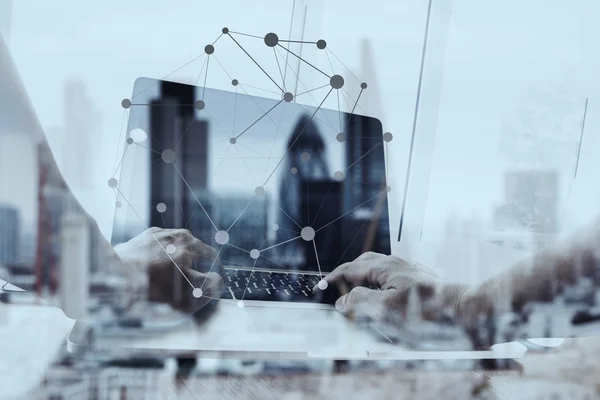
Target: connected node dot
(129,141)
(307,233)
(363,85)
(233,140)
(118,204)
(321,44)
(338,175)
(240,304)
(336,81)
(259,191)
(388,137)
(225,31)
(168,156)
(138,135)
(161,207)
(222,237)
(112,182)
(341,137)
(322,284)
(305,156)
(271,39)
(288,97)
(254,254)
(234,82)
(209,49)
(388,189)
(171,248)
(197,293)
(294,170)
(126,103)
(275,227)
(200,105)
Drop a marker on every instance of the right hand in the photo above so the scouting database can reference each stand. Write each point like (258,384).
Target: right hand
(172,277)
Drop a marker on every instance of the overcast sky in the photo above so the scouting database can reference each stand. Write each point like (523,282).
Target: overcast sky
(485,60)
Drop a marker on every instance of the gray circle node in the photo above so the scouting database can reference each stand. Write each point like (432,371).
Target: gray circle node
(305,156)
(321,44)
(200,105)
(118,204)
(138,135)
(233,140)
(222,237)
(240,304)
(388,189)
(112,182)
(336,81)
(341,137)
(161,207)
(275,227)
(168,156)
(197,293)
(294,170)
(322,284)
(171,248)
(254,254)
(307,233)
(363,85)
(259,191)
(129,141)
(388,137)
(225,31)
(209,49)
(288,97)
(338,175)
(271,39)
(126,103)
(235,82)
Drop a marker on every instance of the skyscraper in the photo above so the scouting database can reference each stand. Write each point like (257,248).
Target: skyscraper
(10,228)
(81,126)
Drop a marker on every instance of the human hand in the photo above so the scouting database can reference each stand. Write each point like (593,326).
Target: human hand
(377,286)
(176,263)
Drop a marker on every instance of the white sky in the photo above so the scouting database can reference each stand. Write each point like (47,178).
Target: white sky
(496,53)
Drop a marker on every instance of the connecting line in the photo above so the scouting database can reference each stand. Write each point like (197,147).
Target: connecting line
(242,213)
(330,64)
(348,94)
(147,148)
(382,334)
(289,35)
(353,108)
(363,156)
(217,122)
(352,242)
(297,137)
(261,68)
(234,110)
(246,34)
(297,41)
(120,136)
(261,117)
(291,219)
(242,85)
(249,279)
(274,262)
(274,140)
(156,83)
(344,65)
(194,194)
(301,59)
(211,267)
(311,90)
(121,162)
(188,127)
(155,238)
(201,69)
(205,76)
(246,164)
(279,67)
(343,215)
(322,203)
(581,137)
(317,257)
(339,110)
(239,248)
(279,244)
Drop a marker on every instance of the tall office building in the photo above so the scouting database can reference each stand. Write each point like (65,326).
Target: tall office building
(10,228)
(81,129)
(74,264)
(174,127)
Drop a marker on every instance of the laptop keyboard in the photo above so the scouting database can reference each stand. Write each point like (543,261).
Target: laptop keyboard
(270,286)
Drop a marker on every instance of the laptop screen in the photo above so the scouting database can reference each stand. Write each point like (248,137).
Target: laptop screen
(303,187)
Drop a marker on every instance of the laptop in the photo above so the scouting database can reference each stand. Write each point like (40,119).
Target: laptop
(285,192)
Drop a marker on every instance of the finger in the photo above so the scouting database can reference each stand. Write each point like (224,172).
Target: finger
(369,255)
(365,301)
(359,272)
